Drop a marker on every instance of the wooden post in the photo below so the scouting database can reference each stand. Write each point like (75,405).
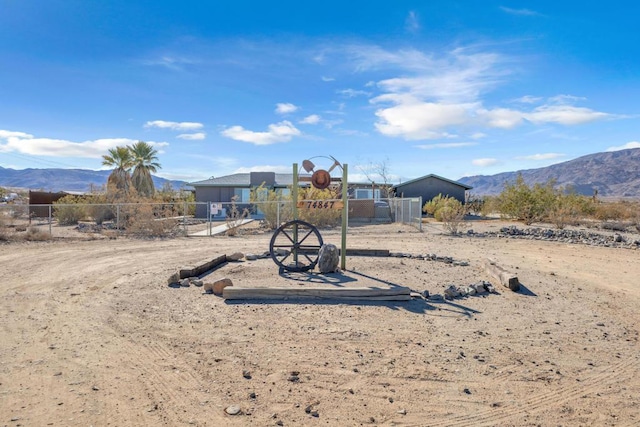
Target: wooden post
(507,279)
(345,216)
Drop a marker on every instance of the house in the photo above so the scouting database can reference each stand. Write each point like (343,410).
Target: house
(222,190)
(218,192)
(429,186)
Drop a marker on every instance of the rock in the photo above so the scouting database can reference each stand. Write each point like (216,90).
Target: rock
(197,282)
(233,410)
(251,257)
(185,283)
(328,258)
(451,292)
(174,278)
(402,412)
(234,257)
(217,286)
(246,374)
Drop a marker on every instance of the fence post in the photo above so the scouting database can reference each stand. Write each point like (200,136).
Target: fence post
(420,212)
(184,218)
(50,232)
(209,217)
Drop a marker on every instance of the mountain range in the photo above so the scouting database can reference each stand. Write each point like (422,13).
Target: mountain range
(611,174)
(77,180)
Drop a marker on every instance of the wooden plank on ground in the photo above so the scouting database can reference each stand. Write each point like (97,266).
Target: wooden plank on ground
(195,271)
(372,294)
(508,280)
(368,252)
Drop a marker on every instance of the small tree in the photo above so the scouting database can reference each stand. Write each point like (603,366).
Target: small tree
(528,204)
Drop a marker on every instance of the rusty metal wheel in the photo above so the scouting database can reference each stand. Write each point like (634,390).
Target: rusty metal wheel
(294,246)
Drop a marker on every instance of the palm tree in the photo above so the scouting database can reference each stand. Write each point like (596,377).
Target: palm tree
(145,162)
(121,159)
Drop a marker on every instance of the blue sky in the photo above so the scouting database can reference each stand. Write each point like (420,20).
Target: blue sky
(449,87)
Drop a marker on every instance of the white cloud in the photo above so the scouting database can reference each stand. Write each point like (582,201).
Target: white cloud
(478,135)
(528,99)
(522,12)
(631,144)
(412,119)
(171,62)
(285,108)
(446,145)
(177,126)
(6,134)
(279,132)
(503,118)
(199,136)
(564,115)
(313,119)
(545,156)
(352,93)
(24,143)
(485,162)
(327,79)
(412,24)
(438,95)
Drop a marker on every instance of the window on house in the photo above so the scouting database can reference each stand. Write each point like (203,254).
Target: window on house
(243,195)
(367,193)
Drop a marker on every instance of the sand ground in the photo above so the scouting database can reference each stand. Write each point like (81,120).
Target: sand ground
(92,335)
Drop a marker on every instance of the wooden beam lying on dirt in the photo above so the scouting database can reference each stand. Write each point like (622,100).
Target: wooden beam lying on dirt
(194,271)
(368,252)
(351,294)
(508,280)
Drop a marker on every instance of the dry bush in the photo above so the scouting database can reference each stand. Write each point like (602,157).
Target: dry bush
(569,209)
(34,234)
(275,206)
(320,217)
(617,211)
(235,217)
(69,210)
(148,220)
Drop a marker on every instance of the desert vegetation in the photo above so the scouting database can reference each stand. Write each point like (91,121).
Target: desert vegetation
(538,203)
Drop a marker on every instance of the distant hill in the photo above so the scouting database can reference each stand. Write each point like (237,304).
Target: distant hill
(612,174)
(64,179)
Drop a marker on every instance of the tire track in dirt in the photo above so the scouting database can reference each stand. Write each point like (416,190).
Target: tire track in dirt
(605,376)
(175,387)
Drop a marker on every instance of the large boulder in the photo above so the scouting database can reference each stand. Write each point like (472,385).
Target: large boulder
(328,258)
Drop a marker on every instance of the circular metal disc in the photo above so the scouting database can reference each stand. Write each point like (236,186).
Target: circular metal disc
(321,179)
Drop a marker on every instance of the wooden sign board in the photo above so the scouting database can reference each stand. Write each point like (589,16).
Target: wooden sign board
(320,204)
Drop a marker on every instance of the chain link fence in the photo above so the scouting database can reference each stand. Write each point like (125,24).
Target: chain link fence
(41,222)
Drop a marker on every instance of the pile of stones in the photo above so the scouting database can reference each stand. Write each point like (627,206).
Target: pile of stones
(566,236)
(479,288)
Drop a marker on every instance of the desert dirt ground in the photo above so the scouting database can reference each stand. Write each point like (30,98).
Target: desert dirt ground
(92,335)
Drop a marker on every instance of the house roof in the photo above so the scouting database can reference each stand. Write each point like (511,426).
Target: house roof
(242,180)
(465,186)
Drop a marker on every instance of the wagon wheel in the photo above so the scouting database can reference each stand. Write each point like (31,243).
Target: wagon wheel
(295,245)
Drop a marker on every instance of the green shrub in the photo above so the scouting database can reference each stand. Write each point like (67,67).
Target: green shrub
(524,203)
(448,210)
(69,210)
